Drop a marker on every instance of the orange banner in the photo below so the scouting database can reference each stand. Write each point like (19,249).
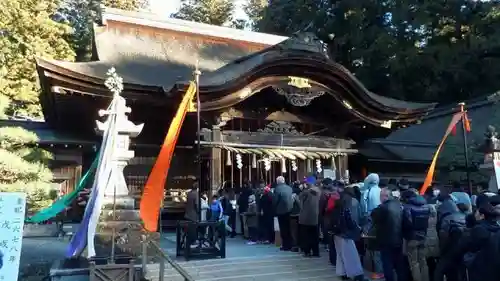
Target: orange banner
(467,123)
(430,173)
(152,196)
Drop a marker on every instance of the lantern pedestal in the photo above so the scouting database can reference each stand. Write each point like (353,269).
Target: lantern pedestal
(490,168)
(491,162)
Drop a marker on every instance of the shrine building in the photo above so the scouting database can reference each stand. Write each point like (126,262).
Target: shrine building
(270,105)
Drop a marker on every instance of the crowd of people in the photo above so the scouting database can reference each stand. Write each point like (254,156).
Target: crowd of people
(384,227)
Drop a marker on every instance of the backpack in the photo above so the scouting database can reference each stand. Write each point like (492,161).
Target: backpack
(341,219)
(420,220)
(456,230)
(486,261)
(330,203)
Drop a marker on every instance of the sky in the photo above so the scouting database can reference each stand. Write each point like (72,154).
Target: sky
(171,6)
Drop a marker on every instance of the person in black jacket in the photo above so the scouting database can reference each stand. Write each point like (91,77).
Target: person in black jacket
(416,215)
(388,223)
(266,219)
(480,250)
(451,226)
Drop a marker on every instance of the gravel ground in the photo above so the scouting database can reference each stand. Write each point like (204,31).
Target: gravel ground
(37,256)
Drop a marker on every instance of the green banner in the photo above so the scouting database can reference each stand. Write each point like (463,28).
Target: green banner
(62,203)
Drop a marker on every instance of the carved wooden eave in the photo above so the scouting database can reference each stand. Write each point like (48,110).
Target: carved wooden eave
(278,65)
(275,115)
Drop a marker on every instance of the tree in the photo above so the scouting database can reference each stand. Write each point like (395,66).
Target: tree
(27,31)
(216,12)
(23,167)
(129,5)
(255,11)
(82,14)
(414,50)
(239,24)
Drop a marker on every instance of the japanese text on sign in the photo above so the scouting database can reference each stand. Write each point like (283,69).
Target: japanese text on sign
(12,210)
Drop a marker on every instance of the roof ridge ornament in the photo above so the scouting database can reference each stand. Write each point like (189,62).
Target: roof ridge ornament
(305,41)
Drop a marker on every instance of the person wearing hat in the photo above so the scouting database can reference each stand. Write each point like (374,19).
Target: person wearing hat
(403,184)
(283,204)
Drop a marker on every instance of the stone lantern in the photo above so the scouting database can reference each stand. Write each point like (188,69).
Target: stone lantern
(491,150)
(119,230)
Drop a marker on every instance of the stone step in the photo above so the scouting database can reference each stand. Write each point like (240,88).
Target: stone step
(286,267)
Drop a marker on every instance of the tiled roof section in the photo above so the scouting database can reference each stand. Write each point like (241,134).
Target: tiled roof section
(431,130)
(163,22)
(154,57)
(419,142)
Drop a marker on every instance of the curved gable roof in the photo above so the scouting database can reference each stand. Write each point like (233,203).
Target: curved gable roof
(154,55)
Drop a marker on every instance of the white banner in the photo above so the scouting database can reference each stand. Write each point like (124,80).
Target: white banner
(12,210)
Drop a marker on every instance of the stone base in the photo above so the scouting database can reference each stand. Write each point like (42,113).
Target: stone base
(124,224)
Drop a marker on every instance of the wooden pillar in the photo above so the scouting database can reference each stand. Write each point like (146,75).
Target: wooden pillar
(216,161)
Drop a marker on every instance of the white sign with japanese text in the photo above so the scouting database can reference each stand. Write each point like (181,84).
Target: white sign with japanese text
(12,210)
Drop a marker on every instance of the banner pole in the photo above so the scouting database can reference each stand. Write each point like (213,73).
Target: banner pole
(197,74)
(466,151)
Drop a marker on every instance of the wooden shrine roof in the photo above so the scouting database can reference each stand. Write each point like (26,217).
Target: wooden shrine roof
(418,143)
(156,57)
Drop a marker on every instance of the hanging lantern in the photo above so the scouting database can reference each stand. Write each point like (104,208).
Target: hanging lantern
(254,161)
(267,164)
(294,166)
(318,166)
(228,158)
(239,162)
(283,165)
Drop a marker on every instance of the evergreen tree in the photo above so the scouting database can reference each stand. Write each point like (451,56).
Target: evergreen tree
(23,167)
(216,12)
(27,31)
(255,11)
(414,50)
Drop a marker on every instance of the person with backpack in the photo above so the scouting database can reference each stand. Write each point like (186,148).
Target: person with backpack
(451,227)
(416,216)
(346,218)
(480,250)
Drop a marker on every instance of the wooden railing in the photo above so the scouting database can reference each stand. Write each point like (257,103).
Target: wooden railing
(160,256)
